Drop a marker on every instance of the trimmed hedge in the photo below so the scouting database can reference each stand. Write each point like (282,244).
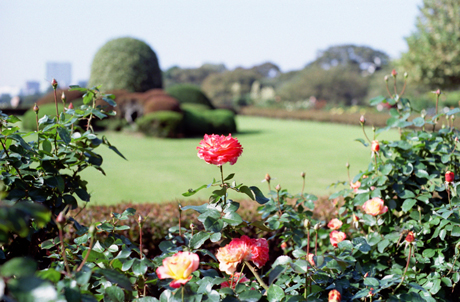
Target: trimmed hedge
(186,93)
(159,217)
(161,124)
(198,122)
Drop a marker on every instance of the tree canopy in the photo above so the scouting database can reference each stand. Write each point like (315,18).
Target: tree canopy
(434,48)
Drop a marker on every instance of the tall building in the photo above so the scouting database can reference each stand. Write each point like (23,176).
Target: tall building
(32,87)
(62,72)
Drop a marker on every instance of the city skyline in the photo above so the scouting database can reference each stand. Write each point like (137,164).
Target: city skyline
(240,33)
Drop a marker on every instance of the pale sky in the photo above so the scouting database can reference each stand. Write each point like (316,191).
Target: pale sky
(189,33)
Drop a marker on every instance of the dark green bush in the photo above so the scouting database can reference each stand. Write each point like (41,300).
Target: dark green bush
(161,124)
(186,93)
(126,63)
(198,122)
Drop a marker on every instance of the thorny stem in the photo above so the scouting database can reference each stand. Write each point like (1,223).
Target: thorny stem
(87,254)
(140,240)
(366,135)
(437,101)
(91,117)
(55,102)
(180,220)
(394,85)
(405,270)
(63,249)
(388,90)
(306,258)
(303,186)
(453,264)
(279,203)
(254,272)
(448,195)
(316,243)
(404,87)
(183,286)
(223,183)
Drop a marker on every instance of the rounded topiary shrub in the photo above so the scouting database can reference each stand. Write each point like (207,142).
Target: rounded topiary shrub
(197,122)
(186,93)
(126,63)
(161,124)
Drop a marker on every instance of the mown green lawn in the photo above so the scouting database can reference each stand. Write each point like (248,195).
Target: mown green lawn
(160,170)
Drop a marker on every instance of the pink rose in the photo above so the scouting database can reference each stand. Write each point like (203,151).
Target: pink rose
(375,206)
(218,150)
(239,249)
(355,185)
(259,251)
(178,267)
(336,236)
(334,224)
(232,254)
(410,237)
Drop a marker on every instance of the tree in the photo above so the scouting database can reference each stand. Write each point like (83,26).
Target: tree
(434,49)
(366,58)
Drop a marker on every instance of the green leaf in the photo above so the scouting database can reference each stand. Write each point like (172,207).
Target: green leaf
(447,281)
(114,294)
(436,286)
(232,218)
(275,293)
(361,294)
(198,239)
(377,100)
(406,194)
(275,273)
(49,274)
(109,101)
(215,237)
(140,266)
(248,296)
(362,142)
(372,282)
(418,121)
(455,231)
(408,204)
(116,277)
(230,176)
(382,245)
(191,192)
(453,111)
(345,244)
(64,134)
(18,267)
(260,225)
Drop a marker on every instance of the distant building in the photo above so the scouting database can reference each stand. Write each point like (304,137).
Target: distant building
(62,72)
(83,83)
(32,87)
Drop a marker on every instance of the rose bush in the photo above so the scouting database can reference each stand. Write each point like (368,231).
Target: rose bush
(393,238)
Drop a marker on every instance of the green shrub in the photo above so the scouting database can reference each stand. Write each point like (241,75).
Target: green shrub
(126,63)
(186,93)
(198,122)
(222,121)
(161,124)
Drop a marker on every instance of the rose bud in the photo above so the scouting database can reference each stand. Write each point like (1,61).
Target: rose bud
(394,73)
(450,176)
(278,187)
(362,120)
(410,237)
(302,174)
(375,147)
(71,106)
(54,83)
(267,177)
(386,78)
(334,296)
(284,245)
(36,108)
(63,98)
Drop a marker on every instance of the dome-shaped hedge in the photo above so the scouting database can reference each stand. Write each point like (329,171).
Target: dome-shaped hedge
(126,63)
(186,93)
